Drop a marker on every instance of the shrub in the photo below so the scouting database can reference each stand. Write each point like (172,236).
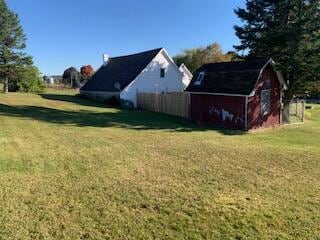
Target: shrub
(314,89)
(27,79)
(127,104)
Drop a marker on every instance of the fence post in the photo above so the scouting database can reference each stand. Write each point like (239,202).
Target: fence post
(303,109)
(189,105)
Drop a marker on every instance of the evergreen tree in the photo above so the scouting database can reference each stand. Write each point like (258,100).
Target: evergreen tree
(12,44)
(289,32)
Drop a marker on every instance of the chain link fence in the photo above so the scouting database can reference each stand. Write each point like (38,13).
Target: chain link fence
(295,112)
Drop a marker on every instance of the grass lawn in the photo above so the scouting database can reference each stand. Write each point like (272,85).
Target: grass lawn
(73,169)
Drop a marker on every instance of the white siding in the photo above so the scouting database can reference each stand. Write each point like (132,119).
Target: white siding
(187,75)
(150,81)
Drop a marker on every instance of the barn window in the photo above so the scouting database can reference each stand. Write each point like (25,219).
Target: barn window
(265,102)
(199,79)
(162,72)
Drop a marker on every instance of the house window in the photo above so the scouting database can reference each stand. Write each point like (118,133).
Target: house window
(265,102)
(162,72)
(199,79)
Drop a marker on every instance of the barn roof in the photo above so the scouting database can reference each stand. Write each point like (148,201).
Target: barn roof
(119,71)
(238,77)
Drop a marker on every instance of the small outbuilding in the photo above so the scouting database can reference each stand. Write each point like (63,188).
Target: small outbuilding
(123,77)
(241,95)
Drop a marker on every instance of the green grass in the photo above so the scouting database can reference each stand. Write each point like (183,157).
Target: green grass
(73,169)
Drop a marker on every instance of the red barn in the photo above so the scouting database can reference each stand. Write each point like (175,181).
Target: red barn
(238,95)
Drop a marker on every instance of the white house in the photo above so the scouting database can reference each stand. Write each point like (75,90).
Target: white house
(123,77)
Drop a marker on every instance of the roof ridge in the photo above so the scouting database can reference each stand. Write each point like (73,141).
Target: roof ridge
(238,61)
(139,53)
(237,77)
(236,71)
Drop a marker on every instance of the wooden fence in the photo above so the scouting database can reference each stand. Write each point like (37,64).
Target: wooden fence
(176,104)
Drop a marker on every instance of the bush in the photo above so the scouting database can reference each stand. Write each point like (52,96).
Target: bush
(27,80)
(127,104)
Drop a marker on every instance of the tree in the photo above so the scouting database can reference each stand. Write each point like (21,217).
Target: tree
(234,56)
(86,70)
(71,77)
(86,73)
(195,58)
(289,32)
(313,89)
(12,44)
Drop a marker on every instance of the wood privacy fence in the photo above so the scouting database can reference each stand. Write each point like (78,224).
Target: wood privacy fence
(176,104)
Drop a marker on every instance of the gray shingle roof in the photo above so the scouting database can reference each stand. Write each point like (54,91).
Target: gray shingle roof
(238,77)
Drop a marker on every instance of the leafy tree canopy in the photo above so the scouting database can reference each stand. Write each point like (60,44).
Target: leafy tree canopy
(195,58)
(86,70)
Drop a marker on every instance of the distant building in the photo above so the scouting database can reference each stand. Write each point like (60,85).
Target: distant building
(54,79)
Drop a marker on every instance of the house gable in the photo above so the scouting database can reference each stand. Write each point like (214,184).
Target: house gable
(270,64)
(150,80)
(119,72)
(187,75)
(268,81)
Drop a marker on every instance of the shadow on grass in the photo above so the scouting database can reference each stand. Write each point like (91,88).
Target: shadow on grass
(120,118)
(77,99)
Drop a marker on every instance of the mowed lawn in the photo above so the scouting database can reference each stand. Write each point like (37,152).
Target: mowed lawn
(73,169)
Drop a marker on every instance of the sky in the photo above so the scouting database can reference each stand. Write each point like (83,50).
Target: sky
(65,33)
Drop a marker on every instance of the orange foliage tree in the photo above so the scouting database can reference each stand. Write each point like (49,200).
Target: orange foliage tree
(86,70)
